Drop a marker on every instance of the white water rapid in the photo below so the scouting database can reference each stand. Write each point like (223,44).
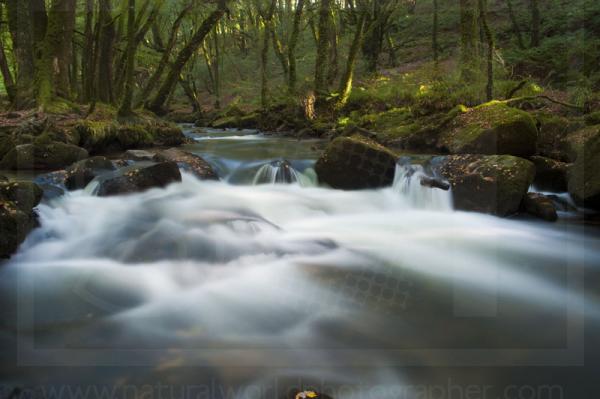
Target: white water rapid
(253,287)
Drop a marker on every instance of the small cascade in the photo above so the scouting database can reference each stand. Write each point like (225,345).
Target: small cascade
(421,190)
(282,172)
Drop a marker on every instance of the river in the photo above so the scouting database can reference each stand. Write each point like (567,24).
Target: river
(248,287)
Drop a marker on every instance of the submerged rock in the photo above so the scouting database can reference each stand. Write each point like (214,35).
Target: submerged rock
(80,174)
(188,162)
(354,163)
(42,156)
(138,178)
(138,155)
(494,184)
(584,174)
(540,206)
(17,217)
(551,175)
(491,129)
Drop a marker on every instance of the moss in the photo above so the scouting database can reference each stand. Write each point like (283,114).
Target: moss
(593,118)
(6,144)
(491,128)
(584,175)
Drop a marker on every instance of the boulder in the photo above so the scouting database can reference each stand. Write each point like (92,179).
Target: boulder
(354,163)
(188,162)
(17,217)
(6,144)
(584,175)
(81,173)
(102,136)
(494,184)
(553,132)
(540,206)
(551,175)
(42,156)
(138,155)
(492,128)
(138,178)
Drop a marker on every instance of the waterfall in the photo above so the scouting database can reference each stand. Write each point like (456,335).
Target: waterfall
(413,183)
(282,172)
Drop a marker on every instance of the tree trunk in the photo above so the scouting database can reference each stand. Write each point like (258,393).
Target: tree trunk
(104,78)
(190,93)
(515,25)
(468,29)
(7,78)
(346,81)
(87,54)
(267,19)
(490,50)
(333,51)
(65,16)
(184,55)
(164,61)
(293,42)
(21,30)
(535,23)
(125,108)
(434,35)
(323,41)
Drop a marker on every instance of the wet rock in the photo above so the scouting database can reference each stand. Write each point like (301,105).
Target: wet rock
(494,184)
(354,163)
(540,206)
(492,128)
(553,131)
(139,155)
(584,175)
(188,162)
(42,156)
(138,178)
(551,175)
(17,217)
(80,174)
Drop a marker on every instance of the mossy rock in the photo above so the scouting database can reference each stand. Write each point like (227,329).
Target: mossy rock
(6,144)
(25,195)
(540,206)
(491,129)
(136,179)
(226,122)
(494,184)
(17,218)
(593,118)
(81,173)
(551,175)
(553,133)
(354,163)
(101,136)
(584,174)
(43,155)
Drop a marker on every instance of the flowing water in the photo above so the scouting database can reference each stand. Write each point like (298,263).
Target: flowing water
(264,281)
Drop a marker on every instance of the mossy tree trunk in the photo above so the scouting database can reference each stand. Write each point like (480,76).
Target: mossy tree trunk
(293,43)
(515,25)
(183,57)
(267,22)
(7,77)
(126,104)
(106,39)
(168,50)
(535,23)
(323,41)
(468,40)
(489,37)
(87,55)
(434,32)
(346,81)
(20,22)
